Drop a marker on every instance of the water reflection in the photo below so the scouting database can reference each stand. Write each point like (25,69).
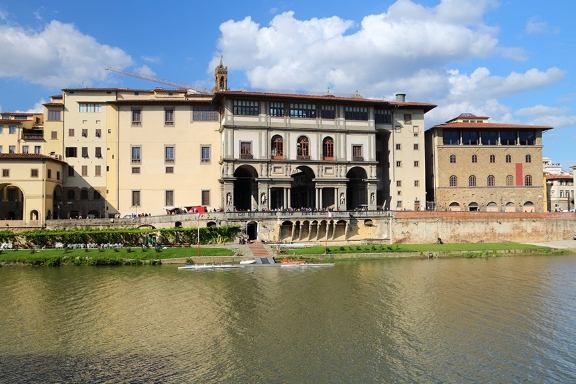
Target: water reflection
(451,320)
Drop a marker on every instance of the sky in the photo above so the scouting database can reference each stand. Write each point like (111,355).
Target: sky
(511,60)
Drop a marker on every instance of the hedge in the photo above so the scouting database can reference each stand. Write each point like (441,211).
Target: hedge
(126,236)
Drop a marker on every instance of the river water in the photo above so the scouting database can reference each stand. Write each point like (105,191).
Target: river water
(507,319)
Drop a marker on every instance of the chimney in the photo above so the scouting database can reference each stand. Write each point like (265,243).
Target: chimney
(401,97)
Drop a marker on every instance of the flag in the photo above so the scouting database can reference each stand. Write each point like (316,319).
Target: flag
(330,214)
(200,216)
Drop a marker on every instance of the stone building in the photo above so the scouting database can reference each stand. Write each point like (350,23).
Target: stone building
(473,165)
(560,191)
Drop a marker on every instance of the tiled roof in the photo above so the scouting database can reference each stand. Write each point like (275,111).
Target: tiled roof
(56,97)
(489,125)
(462,117)
(28,156)
(54,104)
(552,176)
(160,101)
(91,89)
(20,113)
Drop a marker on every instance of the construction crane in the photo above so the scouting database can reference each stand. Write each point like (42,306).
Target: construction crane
(159,80)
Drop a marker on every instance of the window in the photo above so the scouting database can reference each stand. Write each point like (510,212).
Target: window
(12,149)
(205,197)
(169,117)
(84,133)
(169,169)
(136,170)
(71,152)
(303,110)
(53,135)
(90,107)
(398,147)
(452,159)
(303,148)
(508,158)
(492,158)
(357,153)
(0,149)
(469,138)
(474,158)
(53,115)
(491,181)
(472,181)
(57,175)
(1,129)
(71,132)
(528,158)
(407,118)
(398,183)
(84,194)
(98,152)
(169,154)
(416,163)
(5,173)
(136,117)
(527,138)
(383,116)
(136,154)
(71,195)
(70,170)
(205,154)
(38,150)
(399,204)
(398,163)
(416,183)
(98,132)
(277,147)
(277,109)
(327,112)
(245,150)
(205,114)
(356,113)
(84,170)
(528,181)
(508,137)
(328,148)
(169,199)
(49,173)
(97,170)
(97,195)
(34,173)
(399,193)
(489,138)
(416,131)
(24,149)
(135,198)
(244,107)
(416,147)
(12,130)
(84,151)
(451,137)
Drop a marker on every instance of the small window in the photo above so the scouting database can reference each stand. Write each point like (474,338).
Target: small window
(205,154)
(453,181)
(169,199)
(398,147)
(328,148)
(407,118)
(98,132)
(169,154)
(528,181)
(84,170)
(135,198)
(169,117)
(169,169)
(416,183)
(491,181)
(327,112)
(12,130)
(492,158)
(71,152)
(84,194)
(71,170)
(399,204)
(277,109)
(472,181)
(57,175)
(38,150)
(71,132)
(12,149)
(53,135)
(25,149)
(398,163)
(357,153)
(416,163)
(5,173)
(54,115)
(98,152)
(398,183)
(474,158)
(277,147)
(508,158)
(399,193)
(84,151)
(136,170)
(84,133)
(416,147)
(245,150)
(136,155)
(136,117)
(383,116)
(97,170)
(33,173)
(205,197)
(452,159)
(528,158)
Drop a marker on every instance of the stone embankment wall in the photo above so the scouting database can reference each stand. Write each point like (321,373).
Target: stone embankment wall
(477,227)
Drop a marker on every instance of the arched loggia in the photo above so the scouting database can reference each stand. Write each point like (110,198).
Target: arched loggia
(356,187)
(245,187)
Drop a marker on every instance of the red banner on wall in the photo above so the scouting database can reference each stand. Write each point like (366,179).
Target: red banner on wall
(519,176)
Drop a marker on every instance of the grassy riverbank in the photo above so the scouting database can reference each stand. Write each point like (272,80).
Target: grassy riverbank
(317,250)
(55,257)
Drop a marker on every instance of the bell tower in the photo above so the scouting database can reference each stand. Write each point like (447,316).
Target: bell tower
(220,78)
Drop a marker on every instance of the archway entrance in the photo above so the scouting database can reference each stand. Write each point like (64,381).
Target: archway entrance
(510,207)
(252,230)
(57,201)
(528,206)
(303,188)
(356,188)
(492,207)
(11,202)
(473,207)
(245,187)
(454,207)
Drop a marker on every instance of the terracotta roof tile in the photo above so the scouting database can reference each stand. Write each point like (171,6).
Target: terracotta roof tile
(552,176)
(489,125)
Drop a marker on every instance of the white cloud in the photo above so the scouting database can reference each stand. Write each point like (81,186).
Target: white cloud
(37,108)
(555,121)
(37,13)
(515,53)
(517,83)
(535,25)
(145,70)
(273,10)
(151,59)
(57,56)
(541,110)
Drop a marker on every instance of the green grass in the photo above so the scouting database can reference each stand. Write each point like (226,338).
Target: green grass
(407,248)
(107,256)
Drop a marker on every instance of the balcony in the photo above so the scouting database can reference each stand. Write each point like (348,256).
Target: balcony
(246,156)
(32,134)
(357,158)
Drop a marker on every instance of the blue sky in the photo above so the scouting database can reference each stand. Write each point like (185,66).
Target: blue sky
(512,60)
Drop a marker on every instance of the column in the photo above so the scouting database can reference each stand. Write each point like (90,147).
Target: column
(285,198)
(289,194)
(335,198)
(320,192)
(317,202)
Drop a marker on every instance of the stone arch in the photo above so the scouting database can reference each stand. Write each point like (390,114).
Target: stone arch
(454,206)
(178,224)
(356,187)
(211,224)
(303,148)
(313,234)
(245,187)
(12,201)
(71,195)
(528,206)
(492,207)
(473,207)
(252,230)
(510,207)
(94,214)
(285,231)
(277,147)
(303,187)
(84,194)
(34,215)
(339,230)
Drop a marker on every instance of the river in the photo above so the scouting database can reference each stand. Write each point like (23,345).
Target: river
(506,319)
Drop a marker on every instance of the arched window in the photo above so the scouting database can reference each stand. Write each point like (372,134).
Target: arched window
(84,194)
(474,158)
(303,146)
(492,158)
(528,181)
(452,159)
(71,195)
(472,181)
(97,195)
(453,181)
(528,158)
(491,181)
(509,181)
(508,158)
(328,148)
(277,147)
